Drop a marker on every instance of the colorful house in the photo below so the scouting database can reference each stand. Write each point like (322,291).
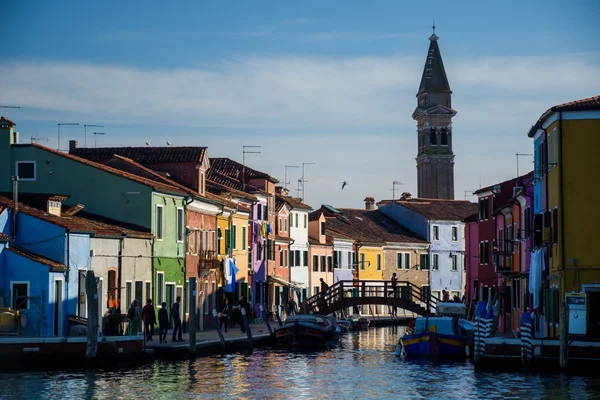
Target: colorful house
(566,166)
(471,259)
(439,222)
(320,253)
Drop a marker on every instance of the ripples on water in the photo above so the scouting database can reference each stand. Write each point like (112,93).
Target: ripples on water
(364,367)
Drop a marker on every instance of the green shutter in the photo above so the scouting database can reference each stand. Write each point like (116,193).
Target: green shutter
(244,244)
(234,238)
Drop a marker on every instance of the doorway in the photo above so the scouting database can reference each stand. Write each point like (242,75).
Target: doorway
(81,303)
(58,329)
(170,296)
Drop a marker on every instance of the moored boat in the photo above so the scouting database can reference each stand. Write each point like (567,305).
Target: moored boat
(444,336)
(361,324)
(306,330)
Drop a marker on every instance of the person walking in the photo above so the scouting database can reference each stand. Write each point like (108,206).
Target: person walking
(244,305)
(163,323)
(324,287)
(149,317)
(394,285)
(132,318)
(224,318)
(176,318)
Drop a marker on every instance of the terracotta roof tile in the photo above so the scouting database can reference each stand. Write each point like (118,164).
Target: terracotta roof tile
(234,169)
(367,226)
(314,242)
(144,155)
(525,177)
(5,121)
(54,266)
(293,201)
(443,210)
(588,104)
(73,223)
(315,215)
(143,181)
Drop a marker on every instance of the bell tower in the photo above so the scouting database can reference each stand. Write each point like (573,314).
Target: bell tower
(434,112)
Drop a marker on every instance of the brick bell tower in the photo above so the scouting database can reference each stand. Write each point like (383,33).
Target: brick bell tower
(435,158)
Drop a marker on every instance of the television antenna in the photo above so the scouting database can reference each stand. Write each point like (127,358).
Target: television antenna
(38,139)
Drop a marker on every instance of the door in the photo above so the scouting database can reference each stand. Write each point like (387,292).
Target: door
(58,330)
(170,296)
(82,305)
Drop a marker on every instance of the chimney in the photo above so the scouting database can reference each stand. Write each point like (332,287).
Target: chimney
(405,196)
(282,191)
(369,203)
(72,145)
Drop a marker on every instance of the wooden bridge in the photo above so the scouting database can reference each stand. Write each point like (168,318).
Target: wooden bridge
(345,294)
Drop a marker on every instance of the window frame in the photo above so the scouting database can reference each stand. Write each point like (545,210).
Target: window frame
(435,232)
(455,233)
(454,266)
(12,294)
(17,163)
(435,262)
(180,228)
(160,234)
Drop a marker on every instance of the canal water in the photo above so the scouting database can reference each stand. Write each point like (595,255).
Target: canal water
(362,367)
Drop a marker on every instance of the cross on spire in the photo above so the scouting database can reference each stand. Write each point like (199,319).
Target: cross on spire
(433,27)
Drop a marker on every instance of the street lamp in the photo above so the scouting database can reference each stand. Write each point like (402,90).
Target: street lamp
(244,152)
(285,182)
(59,125)
(85,132)
(95,136)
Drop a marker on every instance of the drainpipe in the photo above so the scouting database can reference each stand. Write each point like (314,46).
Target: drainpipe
(120,271)
(15,204)
(68,263)
(189,200)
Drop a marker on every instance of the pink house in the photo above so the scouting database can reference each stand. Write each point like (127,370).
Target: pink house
(320,253)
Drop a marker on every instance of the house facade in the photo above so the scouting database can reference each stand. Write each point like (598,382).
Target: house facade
(471,258)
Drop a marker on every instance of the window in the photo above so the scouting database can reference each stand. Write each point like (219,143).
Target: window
(454,262)
(336,259)
(406,261)
(316,290)
(323,264)
(180,225)
(20,295)
(323,228)
(454,233)
(25,170)
(399,258)
(280,225)
(436,259)
(281,257)
(432,137)
(244,244)
(287,224)
(424,261)
(139,296)
(148,292)
(378,262)
(297,255)
(202,183)
(227,241)
(350,263)
(234,237)
(258,212)
(444,137)
(329,264)
(292,263)
(128,298)
(305,221)
(265,212)
(296,220)
(436,232)
(159,222)
(425,292)
(362,261)
(305,258)
(484,250)
(315,263)
(483,209)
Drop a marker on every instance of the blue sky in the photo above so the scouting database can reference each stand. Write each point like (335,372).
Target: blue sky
(327,82)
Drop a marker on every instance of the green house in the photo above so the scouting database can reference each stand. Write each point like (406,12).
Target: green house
(148,205)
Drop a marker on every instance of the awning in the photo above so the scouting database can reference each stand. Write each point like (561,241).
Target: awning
(283,282)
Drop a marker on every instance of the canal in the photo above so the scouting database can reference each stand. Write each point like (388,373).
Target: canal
(363,367)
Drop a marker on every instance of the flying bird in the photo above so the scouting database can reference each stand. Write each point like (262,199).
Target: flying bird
(169,143)
(147,143)
(344,185)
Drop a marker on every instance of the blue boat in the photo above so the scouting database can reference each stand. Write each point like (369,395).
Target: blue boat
(445,335)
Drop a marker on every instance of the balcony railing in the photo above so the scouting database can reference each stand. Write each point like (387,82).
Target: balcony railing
(208,259)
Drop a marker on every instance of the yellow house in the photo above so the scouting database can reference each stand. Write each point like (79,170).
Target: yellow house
(567,138)
(370,261)
(233,235)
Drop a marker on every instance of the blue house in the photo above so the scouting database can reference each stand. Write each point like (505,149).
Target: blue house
(39,266)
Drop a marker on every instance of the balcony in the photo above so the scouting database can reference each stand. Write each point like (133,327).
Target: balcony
(208,259)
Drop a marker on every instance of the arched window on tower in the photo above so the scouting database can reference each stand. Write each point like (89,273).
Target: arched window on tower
(444,137)
(432,137)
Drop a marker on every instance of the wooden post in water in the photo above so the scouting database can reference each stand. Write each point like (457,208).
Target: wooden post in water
(216,317)
(247,325)
(564,335)
(193,304)
(263,315)
(91,290)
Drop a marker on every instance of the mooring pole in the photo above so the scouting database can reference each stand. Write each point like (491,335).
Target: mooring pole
(91,290)
(216,317)
(247,325)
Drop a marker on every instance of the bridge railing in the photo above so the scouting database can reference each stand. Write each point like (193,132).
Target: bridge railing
(371,288)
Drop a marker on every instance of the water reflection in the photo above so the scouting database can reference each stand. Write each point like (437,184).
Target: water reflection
(362,367)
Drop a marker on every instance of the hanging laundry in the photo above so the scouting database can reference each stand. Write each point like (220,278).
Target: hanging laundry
(263,229)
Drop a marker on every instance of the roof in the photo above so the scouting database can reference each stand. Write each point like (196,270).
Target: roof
(234,169)
(144,155)
(315,215)
(54,266)
(367,226)
(440,209)
(294,202)
(472,218)
(132,177)
(434,77)
(5,121)
(4,237)
(282,239)
(314,242)
(74,223)
(588,104)
(491,187)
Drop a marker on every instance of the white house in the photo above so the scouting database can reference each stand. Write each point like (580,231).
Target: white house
(439,222)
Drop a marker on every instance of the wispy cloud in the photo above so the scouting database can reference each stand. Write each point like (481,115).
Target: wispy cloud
(352,115)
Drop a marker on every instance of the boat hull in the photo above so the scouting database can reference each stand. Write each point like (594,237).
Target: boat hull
(437,345)
(297,336)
